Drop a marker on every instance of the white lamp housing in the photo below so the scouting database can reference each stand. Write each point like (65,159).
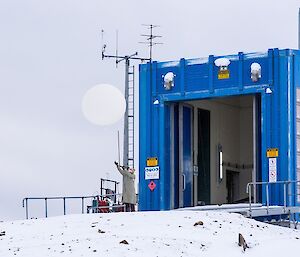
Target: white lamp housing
(255,71)
(169,80)
(222,62)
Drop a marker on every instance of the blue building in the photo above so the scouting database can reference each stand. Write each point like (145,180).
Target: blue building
(210,126)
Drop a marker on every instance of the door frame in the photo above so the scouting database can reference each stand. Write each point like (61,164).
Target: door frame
(182,179)
(197,156)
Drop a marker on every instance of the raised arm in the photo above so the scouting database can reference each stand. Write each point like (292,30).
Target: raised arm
(124,172)
(120,169)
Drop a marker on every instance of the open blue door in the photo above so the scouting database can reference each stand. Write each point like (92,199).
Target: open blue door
(185,156)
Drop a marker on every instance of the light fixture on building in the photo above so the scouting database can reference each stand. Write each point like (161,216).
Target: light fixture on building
(169,80)
(220,162)
(255,71)
(269,90)
(223,64)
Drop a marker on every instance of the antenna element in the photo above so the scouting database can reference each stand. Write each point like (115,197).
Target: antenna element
(150,38)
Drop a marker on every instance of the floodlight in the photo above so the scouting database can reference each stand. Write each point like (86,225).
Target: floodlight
(169,80)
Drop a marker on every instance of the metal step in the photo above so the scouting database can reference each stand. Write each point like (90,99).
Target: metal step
(129,117)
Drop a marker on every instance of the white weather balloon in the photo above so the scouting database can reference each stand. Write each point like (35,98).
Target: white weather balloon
(103,104)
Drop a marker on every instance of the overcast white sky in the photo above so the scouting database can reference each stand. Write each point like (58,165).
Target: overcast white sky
(50,55)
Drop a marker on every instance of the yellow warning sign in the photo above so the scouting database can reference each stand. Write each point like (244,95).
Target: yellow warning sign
(272,152)
(223,74)
(152,161)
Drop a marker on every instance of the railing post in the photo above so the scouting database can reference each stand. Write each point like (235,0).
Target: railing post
(284,196)
(64,199)
(289,193)
(250,201)
(82,204)
(254,193)
(26,206)
(115,198)
(46,208)
(101,186)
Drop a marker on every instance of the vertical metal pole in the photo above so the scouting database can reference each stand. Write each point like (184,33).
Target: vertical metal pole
(26,202)
(119,159)
(133,122)
(115,198)
(151,41)
(250,196)
(125,139)
(46,208)
(299,29)
(267,194)
(82,205)
(64,205)
(284,195)
(117,54)
(101,187)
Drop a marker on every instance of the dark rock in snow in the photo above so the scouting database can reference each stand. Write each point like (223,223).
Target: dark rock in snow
(242,242)
(198,223)
(124,242)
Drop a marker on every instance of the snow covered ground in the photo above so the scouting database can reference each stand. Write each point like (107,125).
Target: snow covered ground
(170,233)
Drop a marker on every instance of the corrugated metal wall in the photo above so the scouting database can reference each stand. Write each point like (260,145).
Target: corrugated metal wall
(298,140)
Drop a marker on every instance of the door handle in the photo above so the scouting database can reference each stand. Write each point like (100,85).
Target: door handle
(183,181)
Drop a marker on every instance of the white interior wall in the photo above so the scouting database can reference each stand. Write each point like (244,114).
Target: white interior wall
(231,126)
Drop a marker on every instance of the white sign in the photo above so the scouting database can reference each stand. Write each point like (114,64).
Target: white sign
(272,169)
(152,172)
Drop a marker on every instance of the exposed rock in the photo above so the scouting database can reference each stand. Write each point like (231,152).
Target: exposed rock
(124,242)
(242,242)
(198,223)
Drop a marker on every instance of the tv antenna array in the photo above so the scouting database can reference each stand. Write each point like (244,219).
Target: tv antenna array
(150,37)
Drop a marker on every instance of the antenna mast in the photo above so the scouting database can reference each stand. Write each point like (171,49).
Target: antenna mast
(150,38)
(128,139)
